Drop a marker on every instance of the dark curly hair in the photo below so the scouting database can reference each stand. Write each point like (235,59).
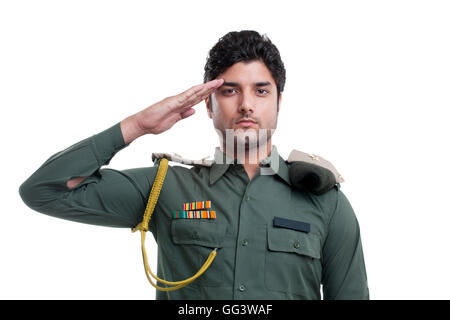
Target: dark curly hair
(245,45)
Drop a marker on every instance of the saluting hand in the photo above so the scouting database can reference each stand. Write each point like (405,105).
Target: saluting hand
(162,115)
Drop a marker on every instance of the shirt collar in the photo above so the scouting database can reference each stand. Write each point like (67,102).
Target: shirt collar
(273,164)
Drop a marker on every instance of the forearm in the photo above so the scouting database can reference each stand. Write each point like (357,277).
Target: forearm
(130,131)
(82,159)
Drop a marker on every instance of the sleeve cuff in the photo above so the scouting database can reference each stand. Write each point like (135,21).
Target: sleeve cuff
(107,143)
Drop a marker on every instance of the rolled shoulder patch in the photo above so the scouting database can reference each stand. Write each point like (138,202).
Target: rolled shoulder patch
(297,155)
(312,173)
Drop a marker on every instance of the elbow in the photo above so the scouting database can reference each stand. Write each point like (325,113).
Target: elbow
(29,195)
(35,194)
(26,193)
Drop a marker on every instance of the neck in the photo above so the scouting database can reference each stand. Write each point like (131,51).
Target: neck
(249,156)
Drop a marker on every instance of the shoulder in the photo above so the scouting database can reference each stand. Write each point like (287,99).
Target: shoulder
(175,157)
(183,167)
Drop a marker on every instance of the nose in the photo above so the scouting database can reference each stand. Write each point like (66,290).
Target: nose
(246,105)
(245,109)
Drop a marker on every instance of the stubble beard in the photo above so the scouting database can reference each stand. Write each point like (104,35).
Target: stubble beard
(245,143)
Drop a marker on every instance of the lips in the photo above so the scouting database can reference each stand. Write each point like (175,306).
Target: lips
(246,122)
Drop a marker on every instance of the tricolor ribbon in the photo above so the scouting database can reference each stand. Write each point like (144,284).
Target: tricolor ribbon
(191,214)
(193,210)
(197,205)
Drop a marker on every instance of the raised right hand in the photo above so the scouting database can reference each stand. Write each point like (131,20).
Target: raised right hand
(162,115)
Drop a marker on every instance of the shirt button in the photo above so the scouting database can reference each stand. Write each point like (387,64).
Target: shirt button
(241,288)
(246,198)
(244,242)
(296,244)
(195,235)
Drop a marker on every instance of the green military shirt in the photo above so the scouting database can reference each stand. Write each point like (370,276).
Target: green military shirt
(255,259)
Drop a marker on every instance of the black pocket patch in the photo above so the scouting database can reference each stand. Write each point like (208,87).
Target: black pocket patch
(291,224)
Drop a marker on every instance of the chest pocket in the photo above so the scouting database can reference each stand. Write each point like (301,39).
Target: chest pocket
(193,240)
(292,263)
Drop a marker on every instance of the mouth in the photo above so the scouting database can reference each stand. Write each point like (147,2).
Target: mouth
(245,123)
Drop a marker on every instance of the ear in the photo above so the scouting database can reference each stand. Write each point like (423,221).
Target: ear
(279,102)
(208,109)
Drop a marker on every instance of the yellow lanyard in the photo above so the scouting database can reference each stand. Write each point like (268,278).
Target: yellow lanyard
(143,227)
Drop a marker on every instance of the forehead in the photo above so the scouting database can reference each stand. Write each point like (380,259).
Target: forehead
(245,72)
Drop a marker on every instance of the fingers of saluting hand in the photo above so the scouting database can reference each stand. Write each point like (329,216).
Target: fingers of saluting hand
(196,94)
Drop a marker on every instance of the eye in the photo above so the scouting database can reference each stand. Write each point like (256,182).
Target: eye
(227,91)
(266,92)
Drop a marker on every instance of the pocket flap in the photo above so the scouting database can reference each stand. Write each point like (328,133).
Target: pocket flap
(286,240)
(198,231)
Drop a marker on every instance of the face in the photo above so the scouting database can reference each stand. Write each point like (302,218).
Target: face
(249,93)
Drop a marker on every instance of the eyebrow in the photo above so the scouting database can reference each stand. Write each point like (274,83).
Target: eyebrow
(257,84)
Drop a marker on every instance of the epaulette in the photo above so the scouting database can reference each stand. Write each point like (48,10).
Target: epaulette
(172,156)
(312,173)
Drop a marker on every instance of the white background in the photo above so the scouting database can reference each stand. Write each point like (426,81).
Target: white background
(367,88)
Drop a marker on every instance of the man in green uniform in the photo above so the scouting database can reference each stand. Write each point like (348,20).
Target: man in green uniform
(274,239)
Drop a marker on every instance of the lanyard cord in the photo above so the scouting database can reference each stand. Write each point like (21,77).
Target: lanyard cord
(143,227)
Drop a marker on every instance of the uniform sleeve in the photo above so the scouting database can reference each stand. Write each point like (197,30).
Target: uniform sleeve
(344,273)
(107,197)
